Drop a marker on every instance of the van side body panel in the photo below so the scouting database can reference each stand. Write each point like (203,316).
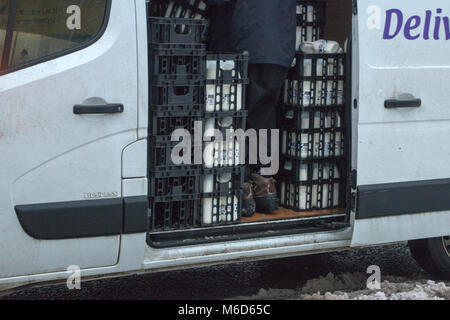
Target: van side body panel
(409,65)
(52,155)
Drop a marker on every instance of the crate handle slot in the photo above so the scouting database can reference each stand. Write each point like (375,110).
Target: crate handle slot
(179,94)
(182,33)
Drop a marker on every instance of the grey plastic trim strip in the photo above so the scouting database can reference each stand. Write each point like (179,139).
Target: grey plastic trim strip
(81,219)
(381,200)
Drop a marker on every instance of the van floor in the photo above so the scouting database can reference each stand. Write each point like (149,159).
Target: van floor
(283,213)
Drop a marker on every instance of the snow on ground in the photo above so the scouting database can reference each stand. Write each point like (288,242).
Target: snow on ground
(352,286)
(343,286)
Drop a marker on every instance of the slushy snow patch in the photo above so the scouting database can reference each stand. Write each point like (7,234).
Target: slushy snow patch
(345,281)
(352,287)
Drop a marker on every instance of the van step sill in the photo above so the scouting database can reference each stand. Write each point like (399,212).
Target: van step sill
(243,231)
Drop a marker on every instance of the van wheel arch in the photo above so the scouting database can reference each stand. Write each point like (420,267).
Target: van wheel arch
(433,255)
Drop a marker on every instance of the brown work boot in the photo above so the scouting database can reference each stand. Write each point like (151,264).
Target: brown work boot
(248,203)
(265,194)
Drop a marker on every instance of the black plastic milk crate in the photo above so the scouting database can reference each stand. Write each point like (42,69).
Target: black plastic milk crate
(178,8)
(318,66)
(166,184)
(225,122)
(313,143)
(309,196)
(177,61)
(224,138)
(311,117)
(157,8)
(317,170)
(164,123)
(311,19)
(221,208)
(222,191)
(226,79)
(317,185)
(161,154)
(179,214)
(177,92)
(177,30)
(316,80)
(181,108)
(217,203)
(223,180)
(196,211)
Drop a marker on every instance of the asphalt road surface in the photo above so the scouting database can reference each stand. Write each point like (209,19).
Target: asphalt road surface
(235,280)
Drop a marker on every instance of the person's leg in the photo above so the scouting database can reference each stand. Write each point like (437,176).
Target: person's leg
(263,97)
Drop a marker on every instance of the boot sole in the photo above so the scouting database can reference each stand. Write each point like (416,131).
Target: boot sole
(267,204)
(248,207)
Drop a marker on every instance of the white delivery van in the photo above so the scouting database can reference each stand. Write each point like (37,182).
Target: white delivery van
(74,96)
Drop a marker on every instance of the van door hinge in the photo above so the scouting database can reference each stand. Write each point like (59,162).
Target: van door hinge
(353,200)
(353,180)
(355,7)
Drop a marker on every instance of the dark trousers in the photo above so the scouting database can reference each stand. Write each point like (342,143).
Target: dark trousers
(263,98)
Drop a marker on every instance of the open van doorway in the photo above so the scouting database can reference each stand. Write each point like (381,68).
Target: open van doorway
(313,183)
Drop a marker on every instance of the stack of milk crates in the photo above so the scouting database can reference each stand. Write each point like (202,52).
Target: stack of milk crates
(196,99)
(312,138)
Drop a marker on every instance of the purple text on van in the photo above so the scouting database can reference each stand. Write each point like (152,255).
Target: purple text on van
(428,26)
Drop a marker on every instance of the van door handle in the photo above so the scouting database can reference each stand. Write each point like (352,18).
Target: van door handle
(404,101)
(98,109)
